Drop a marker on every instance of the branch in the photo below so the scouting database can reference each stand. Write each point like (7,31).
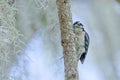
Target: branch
(70,58)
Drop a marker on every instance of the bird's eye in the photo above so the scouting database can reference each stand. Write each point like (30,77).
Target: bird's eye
(81,24)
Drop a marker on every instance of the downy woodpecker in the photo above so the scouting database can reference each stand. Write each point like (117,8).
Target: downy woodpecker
(81,41)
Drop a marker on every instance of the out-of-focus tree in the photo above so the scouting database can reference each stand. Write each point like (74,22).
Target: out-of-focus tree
(10,38)
(118,1)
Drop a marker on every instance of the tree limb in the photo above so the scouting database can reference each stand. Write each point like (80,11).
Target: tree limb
(70,58)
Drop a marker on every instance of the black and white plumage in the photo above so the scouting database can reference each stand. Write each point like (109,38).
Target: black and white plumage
(81,41)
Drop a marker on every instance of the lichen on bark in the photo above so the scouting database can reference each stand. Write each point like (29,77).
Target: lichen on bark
(67,36)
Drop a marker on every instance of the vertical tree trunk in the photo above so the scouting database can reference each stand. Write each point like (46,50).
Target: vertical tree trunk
(70,58)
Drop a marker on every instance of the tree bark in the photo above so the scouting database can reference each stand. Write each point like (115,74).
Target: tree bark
(70,57)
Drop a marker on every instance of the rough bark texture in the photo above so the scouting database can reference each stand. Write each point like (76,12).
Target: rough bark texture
(70,58)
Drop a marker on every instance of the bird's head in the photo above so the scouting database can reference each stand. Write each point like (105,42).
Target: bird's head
(77,24)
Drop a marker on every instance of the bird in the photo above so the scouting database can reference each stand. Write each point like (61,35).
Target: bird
(81,41)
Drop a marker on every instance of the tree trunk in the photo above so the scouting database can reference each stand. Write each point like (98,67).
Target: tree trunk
(70,57)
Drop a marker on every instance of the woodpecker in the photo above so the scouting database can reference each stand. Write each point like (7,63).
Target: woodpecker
(81,41)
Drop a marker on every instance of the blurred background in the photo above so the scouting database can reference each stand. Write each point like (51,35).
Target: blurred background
(36,27)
